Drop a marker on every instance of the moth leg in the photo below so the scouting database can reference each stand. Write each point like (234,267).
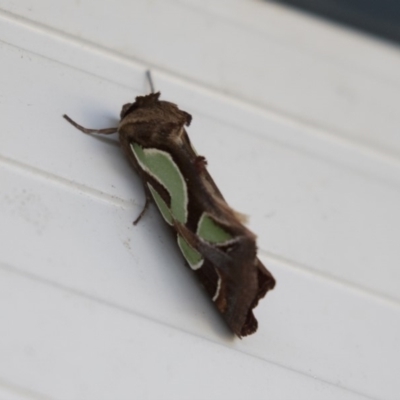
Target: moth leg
(145,207)
(106,131)
(200,164)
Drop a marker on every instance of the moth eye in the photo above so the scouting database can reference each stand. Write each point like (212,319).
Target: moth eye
(229,248)
(124,110)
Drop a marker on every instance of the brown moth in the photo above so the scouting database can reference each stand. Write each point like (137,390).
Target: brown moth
(219,249)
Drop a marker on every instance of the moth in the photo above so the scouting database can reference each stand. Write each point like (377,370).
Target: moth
(212,237)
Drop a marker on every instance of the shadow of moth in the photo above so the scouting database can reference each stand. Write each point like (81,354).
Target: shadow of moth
(216,245)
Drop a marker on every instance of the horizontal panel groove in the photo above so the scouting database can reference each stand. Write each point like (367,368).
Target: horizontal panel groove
(13,391)
(104,303)
(115,201)
(335,280)
(69,184)
(43,34)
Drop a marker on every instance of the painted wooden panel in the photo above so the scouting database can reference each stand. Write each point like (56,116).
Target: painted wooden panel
(93,307)
(295,65)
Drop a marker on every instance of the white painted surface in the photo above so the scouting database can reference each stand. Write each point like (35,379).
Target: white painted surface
(92,307)
(301,68)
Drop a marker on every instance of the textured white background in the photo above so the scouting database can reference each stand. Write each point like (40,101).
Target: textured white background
(299,122)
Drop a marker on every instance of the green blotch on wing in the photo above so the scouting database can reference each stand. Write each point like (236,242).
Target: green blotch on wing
(208,230)
(193,257)
(161,166)
(161,204)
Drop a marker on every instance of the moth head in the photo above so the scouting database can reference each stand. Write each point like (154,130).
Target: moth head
(164,113)
(140,102)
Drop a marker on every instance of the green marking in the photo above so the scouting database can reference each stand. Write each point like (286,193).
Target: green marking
(161,204)
(208,230)
(193,257)
(161,166)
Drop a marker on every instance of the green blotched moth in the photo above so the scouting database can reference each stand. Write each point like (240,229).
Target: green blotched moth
(211,236)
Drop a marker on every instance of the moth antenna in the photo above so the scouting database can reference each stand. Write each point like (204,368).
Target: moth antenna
(106,131)
(150,80)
